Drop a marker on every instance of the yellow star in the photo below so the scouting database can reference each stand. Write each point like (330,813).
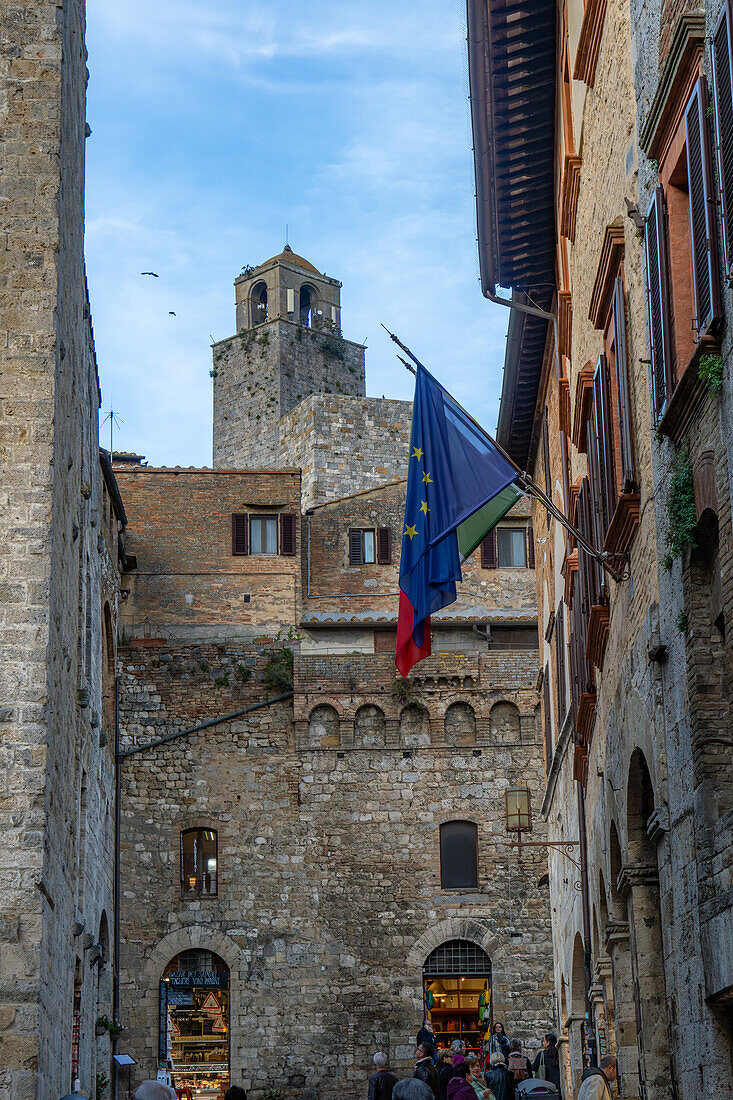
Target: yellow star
(424,507)
(427,480)
(411,531)
(416,453)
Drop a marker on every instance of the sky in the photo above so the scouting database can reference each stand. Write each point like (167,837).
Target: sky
(214,125)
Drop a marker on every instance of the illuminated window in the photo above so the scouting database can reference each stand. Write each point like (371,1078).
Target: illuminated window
(199,863)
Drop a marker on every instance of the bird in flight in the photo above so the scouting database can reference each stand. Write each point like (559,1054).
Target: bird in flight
(153,273)
(171,313)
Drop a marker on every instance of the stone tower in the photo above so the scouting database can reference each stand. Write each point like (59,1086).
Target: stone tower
(288,346)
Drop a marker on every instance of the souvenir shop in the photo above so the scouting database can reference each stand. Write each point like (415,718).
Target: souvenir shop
(194,1025)
(457,993)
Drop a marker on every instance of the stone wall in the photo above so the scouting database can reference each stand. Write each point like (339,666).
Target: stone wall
(261,374)
(345,444)
(55,780)
(329,897)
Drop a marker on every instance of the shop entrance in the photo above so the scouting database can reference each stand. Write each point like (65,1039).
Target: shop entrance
(194,1024)
(457,993)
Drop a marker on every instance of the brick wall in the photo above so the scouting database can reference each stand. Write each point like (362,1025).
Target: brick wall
(187,581)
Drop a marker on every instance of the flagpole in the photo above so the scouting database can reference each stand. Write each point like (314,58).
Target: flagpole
(525,480)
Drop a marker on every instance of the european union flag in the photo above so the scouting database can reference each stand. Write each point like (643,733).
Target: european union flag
(455,469)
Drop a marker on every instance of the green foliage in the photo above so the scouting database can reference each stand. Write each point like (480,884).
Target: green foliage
(681,515)
(213,373)
(101,1084)
(278,671)
(272,1094)
(654,164)
(221,682)
(402,690)
(263,339)
(247,270)
(667,561)
(333,347)
(244,673)
(204,666)
(683,622)
(710,110)
(106,1024)
(710,371)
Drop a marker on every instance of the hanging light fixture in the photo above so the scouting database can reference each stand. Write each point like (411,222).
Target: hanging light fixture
(518,810)
(438,989)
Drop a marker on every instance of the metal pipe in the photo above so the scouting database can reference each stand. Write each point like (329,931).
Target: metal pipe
(585,900)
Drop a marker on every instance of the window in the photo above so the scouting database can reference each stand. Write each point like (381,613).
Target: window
(367,546)
(199,863)
(459,856)
(259,304)
(511,548)
(723,99)
(306,305)
(259,534)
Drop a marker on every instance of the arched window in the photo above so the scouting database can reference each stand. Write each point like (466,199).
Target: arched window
(199,863)
(193,1016)
(306,306)
(457,989)
(259,304)
(458,855)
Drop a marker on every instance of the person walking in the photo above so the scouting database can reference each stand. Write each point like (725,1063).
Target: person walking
(383,1081)
(424,1068)
(547,1063)
(460,1086)
(596,1080)
(499,1079)
(518,1064)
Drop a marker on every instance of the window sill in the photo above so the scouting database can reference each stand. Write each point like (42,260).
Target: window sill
(586,716)
(623,524)
(689,393)
(598,630)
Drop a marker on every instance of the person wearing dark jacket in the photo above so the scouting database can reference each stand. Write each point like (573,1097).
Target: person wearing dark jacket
(445,1072)
(499,1041)
(424,1068)
(382,1082)
(426,1034)
(459,1086)
(547,1063)
(518,1061)
(499,1080)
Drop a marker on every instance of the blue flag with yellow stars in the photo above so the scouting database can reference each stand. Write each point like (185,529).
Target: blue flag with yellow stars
(455,468)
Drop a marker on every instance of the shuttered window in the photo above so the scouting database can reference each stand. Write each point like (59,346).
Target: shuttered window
(658,304)
(546,453)
(548,719)
(511,548)
(723,98)
(560,664)
(530,547)
(488,551)
(287,534)
(626,438)
(702,212)
(384,545)
(603,413)
(240,531)
(362,546)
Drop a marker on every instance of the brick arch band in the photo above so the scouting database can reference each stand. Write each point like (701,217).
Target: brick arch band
(456,928)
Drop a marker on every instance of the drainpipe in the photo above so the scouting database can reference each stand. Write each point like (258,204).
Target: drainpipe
(116,903)
(585,899)
(532,311)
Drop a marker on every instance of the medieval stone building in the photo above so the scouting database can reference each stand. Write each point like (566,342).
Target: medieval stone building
(308,842)
(606,211)
(61,519)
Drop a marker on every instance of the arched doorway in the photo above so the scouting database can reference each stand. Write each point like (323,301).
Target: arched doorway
(457,993)
(194,1023)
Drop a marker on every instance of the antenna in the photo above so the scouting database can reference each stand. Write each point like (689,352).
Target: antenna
(114,419)
(287,235)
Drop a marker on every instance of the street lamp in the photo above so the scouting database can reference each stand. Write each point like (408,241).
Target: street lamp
(519,819)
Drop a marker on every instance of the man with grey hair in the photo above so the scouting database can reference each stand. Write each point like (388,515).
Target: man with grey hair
(382,1082)
(458,1050)
(596,1080)
(153,1090)
(412,1089)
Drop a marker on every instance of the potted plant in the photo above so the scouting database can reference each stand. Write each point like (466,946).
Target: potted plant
(105,1024)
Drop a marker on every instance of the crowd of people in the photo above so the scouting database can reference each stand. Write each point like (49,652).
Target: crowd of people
(504,1072)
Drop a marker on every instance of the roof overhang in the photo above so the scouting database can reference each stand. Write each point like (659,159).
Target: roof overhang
(524,357)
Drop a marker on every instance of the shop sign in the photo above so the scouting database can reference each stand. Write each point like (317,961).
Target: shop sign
(180,997)
(202,1068)
(199,979)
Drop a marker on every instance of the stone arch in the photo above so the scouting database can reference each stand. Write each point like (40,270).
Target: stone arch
(414,726)
(460,724)
(504,721)
(618,907)
(455,928)
(370,727)
(577,984)
(258,303)
(323,728)
(307,299)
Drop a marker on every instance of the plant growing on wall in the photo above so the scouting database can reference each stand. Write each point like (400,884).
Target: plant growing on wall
(710,371)
(101,1084)
(683,622)
(278,671)
(105,1024)
(681,514)
(403,691)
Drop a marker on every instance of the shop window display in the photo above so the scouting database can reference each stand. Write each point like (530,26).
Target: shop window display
(194,1023)
(457,992)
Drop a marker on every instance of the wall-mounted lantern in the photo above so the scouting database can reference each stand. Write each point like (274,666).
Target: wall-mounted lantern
(519,820)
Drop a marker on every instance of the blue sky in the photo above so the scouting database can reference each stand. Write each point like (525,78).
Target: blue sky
(216,123)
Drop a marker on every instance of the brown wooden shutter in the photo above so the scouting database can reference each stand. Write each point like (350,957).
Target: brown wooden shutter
(488,551)
(706,291)
(356,547)
(546,454)
(548,719)
(722,54)
(655,241)
(287,534)
(240,530)
(604,439)
(530,547)
(628,470)
(560,656)
(384,545)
